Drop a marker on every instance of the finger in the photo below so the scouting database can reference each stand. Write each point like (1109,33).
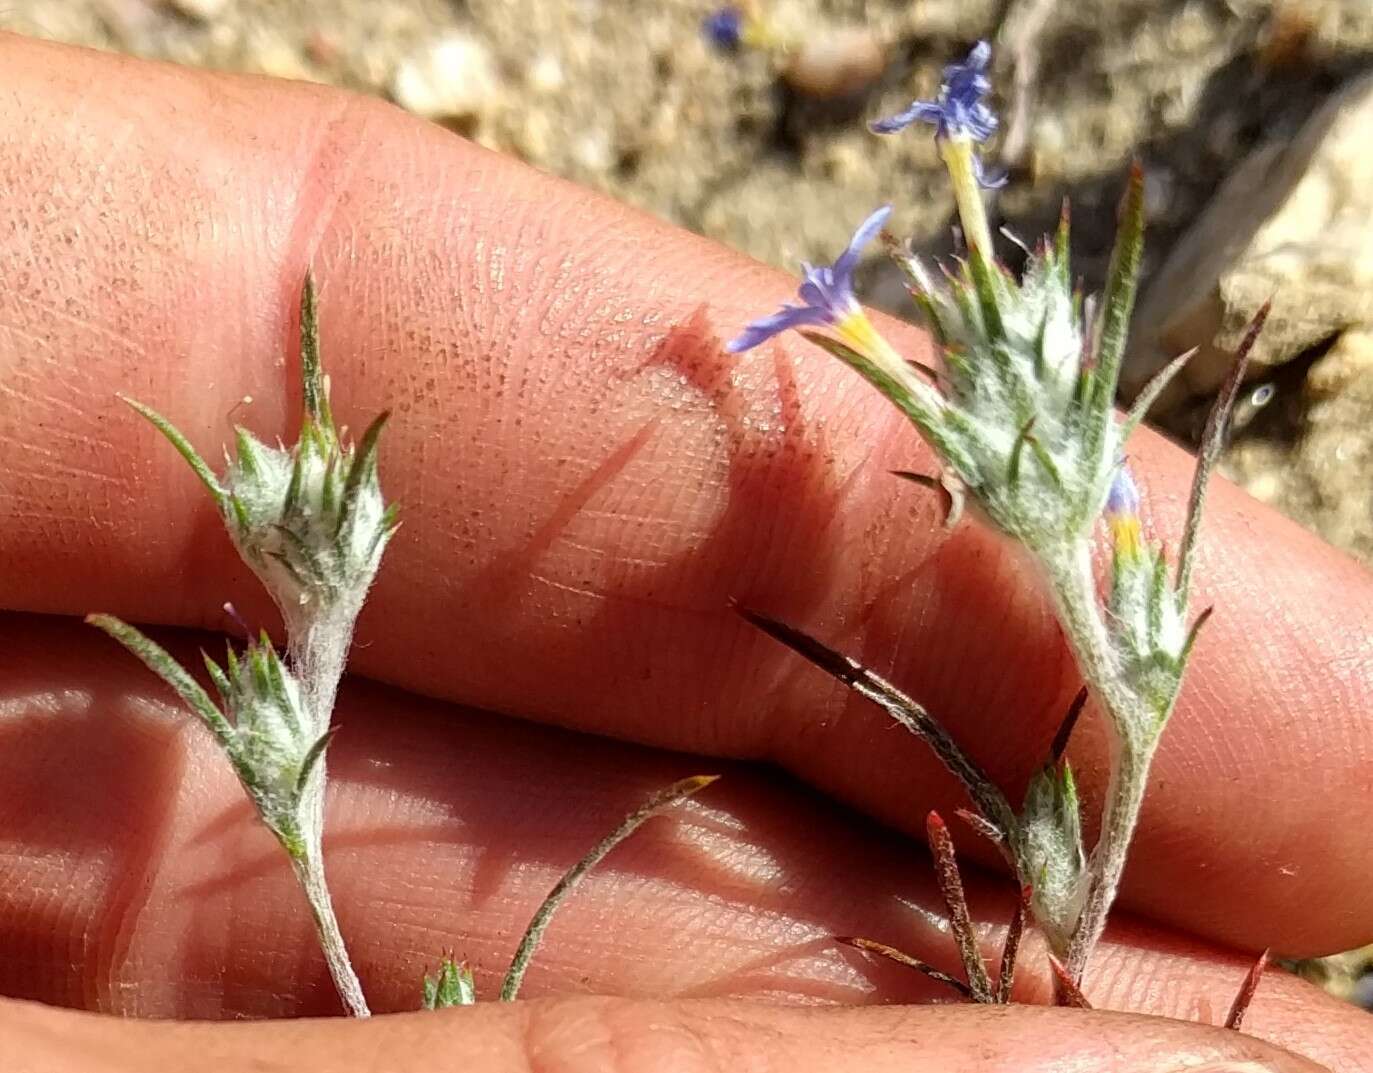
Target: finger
(609,1036)
(587,479)
(135,879)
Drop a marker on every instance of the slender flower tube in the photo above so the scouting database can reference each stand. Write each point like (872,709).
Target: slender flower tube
(960,116)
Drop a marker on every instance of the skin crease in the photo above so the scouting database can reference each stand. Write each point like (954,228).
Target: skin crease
(586,481)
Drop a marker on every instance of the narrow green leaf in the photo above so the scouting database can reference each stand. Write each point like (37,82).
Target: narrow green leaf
(329,496)
(1041,453)
(1151,391)
(221,684)
(289,504)
(1041,337)
(1212,443)
(1010,950)
(1067,799)
(313,757)
(319,574)
(962,292)
(986,795)
(1065,729)
(1017,450)
(158,660)
(985,287)
(677,792)
(285,563)
(872,946)
(312,369)
(386,530)
(1192,636)
(240,511)
(1061,241)
(183,446)
(249,458)
(914,398)
(929,309)
(277,679)
(364,466)
(1158,590)
(1121,281)
(950,882)
(1045,459)
(258,664)
(279,694)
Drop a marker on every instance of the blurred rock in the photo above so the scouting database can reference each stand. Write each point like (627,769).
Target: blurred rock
(1310,453)
(1293,223)
(452,80)
(204,10)
(843,61)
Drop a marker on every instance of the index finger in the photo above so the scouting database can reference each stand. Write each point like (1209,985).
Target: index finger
(587,479)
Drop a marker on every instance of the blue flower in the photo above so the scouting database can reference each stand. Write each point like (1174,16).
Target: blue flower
(827,293)
(724,28)
(960,110)
(1122,515)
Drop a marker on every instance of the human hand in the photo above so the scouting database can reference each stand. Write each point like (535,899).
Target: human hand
(585,481)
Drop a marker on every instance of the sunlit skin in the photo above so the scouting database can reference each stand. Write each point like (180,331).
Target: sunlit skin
(586,479)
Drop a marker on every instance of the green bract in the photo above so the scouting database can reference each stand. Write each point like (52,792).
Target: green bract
(312,524)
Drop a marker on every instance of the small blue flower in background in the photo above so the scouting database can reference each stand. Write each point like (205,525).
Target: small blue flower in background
(828,296)
(724,28)
(960,111)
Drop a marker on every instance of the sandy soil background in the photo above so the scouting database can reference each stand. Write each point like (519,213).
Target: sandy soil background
(625,96)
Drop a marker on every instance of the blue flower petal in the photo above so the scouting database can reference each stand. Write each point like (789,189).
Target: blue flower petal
(989,180)
(960,109)
(826,291)
(918,112)
(868,230)
(786,318)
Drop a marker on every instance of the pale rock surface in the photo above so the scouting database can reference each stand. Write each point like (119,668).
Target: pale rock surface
(1312,458)
(451,79)
(1293,223)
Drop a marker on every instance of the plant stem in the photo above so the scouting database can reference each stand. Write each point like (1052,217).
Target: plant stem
(533,934)
(1075,592)
(958,158)
(317,650)
(309,869)
(1124,797)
